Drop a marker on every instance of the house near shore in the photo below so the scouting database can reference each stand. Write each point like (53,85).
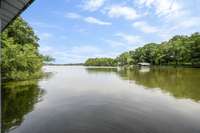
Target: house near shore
(144,64)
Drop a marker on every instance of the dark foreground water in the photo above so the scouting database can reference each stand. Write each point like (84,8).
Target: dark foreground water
(104,100)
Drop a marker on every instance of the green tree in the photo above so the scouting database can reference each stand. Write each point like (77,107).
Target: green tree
(47,59)
(19,52)
(195,49)
(100,62)
(123,59)
(179,50)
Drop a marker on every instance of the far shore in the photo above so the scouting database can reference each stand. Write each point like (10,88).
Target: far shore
(126,66)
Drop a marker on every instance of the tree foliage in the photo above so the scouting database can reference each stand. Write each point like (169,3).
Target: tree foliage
(100,62)
(20,58)
(47,59)
(179,50)
(123,59)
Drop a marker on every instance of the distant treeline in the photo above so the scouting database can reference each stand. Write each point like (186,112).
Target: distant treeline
(70,64)
(179,50)
(100,62)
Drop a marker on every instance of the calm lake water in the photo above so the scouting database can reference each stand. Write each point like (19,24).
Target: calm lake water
(77,99)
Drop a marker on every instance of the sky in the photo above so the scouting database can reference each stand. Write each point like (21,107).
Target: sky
(73,30)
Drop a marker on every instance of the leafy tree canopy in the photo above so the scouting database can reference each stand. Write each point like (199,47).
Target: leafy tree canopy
(20,57)
(179,50)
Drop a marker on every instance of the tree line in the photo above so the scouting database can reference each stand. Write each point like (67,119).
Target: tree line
(179,50)
(100,62)
(20,57)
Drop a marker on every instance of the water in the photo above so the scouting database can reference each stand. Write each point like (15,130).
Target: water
(104,100)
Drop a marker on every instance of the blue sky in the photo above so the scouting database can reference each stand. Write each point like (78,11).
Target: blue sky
(73,30)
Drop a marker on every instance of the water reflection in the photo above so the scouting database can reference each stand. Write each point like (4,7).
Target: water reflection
(104,100)
(101,69)
(179,82)
(18,100)
(144,69)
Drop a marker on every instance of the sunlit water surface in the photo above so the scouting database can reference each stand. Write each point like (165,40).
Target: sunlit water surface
(77,99)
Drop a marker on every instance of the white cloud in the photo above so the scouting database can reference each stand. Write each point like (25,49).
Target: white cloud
(85,49)
(130,39)
(174,17)
(39,25)
(93,20)
(145,27)
(46,50)
(115,43)
(92,5)
(117,11)
(76,54)
(73,15)
(162,7)
(81,53)
(171,11)
(183,27)
(192,22)
(124,42)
